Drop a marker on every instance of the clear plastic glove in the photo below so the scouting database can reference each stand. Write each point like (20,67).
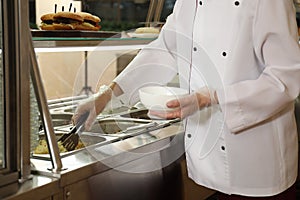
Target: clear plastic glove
(94,105)
(188,105)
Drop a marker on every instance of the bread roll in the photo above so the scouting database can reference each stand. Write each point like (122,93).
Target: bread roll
(147,30)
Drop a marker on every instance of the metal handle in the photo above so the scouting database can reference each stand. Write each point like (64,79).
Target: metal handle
(159,7)
(142,126)
(79,126)
(150,12)
(44,110)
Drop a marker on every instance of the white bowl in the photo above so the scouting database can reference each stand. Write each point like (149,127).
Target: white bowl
(156,97)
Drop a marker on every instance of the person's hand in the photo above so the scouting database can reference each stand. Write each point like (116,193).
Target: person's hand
(188,105)
(94,105)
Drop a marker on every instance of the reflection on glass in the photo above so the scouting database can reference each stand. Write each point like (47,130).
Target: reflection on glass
(2,136)
(121,15)
(124,15)
(34,120)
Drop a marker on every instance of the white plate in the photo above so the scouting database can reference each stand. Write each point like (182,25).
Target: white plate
(143,35)
(156,97)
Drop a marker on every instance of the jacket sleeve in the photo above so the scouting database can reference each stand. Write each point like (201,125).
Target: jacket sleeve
(250,102)
(154,65)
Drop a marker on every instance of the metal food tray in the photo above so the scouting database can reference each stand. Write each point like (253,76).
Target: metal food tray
(75,34)
(109,128)
(89,140)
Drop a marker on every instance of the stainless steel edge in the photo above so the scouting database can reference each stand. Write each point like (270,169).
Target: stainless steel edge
(44,110)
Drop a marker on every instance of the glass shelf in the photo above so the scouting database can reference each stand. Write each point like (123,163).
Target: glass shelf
(88,44)
(88,39)
(50,39)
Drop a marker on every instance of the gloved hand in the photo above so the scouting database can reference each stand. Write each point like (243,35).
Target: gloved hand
(188,105)
(94,105)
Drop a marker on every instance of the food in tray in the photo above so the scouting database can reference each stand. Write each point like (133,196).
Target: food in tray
(70,21)
(66,20)
(90,22)
(143,30)
(47,21)
(42,147)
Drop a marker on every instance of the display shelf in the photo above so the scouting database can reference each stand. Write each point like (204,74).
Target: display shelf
(97,40)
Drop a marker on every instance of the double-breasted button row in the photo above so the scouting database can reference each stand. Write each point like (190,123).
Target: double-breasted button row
(236,3)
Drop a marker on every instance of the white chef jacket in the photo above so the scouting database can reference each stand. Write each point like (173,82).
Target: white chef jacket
(248,51)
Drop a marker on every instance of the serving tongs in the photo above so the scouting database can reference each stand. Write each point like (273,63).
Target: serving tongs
(154,11)
(70,140)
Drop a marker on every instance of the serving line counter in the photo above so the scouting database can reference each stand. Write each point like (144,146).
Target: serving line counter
(146,166)
(126,155)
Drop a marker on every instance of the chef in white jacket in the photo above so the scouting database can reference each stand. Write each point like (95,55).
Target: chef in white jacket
(240,61)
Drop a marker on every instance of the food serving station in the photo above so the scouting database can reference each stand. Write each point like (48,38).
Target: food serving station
(123,147)
(125,155)
(124,151)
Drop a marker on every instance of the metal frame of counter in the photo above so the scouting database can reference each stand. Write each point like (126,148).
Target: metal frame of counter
(86,176)
(133,156)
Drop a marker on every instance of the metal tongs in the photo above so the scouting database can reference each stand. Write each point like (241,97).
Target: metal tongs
(154,11)
(70,140)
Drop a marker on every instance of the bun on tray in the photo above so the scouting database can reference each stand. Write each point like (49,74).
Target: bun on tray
(90,22)
(70,21)
(66,20)
(143,30)
(47,22)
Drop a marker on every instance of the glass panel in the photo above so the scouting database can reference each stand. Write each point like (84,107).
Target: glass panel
(116,15)
(34,120)
(2,136)
(123,15)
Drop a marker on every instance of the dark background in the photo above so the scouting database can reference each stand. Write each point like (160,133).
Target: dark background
(116,15)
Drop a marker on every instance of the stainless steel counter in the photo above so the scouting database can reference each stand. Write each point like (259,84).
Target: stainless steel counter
(145,162)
